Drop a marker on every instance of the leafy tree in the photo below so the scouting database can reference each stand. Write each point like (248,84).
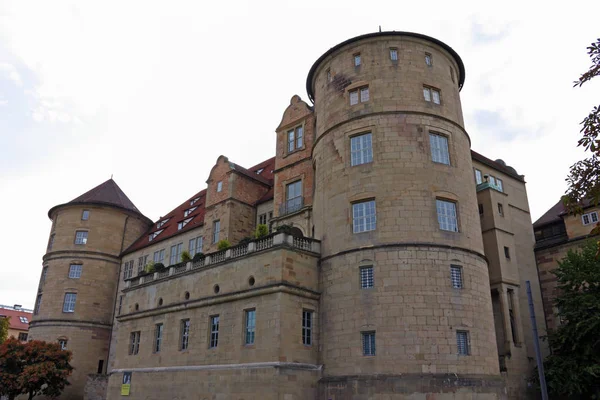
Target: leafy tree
(35,368)
(573,368)
(4,324)
(584,176)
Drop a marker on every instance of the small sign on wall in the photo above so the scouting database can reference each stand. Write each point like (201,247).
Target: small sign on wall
(126,386)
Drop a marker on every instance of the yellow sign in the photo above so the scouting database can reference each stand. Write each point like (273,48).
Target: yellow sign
(126,386)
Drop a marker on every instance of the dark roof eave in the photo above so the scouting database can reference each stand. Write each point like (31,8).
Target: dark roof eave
(454,54)
(493,164)
(100,203)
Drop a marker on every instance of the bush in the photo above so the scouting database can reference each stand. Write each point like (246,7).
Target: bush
(284,229)
(223,244)
(198,257)
(149,268)
(185,256)
(159,267)
(262,230)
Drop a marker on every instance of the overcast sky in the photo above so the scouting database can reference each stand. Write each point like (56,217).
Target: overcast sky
(154,92)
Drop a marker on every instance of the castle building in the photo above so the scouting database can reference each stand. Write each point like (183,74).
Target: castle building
(395,267)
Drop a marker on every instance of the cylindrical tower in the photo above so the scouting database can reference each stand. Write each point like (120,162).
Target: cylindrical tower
(405,286)
(76,295)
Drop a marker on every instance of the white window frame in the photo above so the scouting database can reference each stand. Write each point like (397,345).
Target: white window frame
(159,256)
(428,59)
(81,237)
(153,235)
(393,54)
(361,149)
(363,220)
(161,223)
(189,211)
(183,223)
(456,276)
(447,215)
(440,151)
(85,215)
(432,94)
(367,277)
(220,186)
(75,271)
(185,334)
(478,176)
(591,217)
(69,302)
(359,95)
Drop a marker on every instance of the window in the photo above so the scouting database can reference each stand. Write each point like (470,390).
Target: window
(183,223)
(22,336)
(219,186)
(62,343)
(185,334)
(446,213)
(154,234)
(307,326)
(134,342)
(51,242)
(431,94)
(295,139)
(589,218)
(195,246)
(120,305)
(368,343)
(142,261)
(357,60)
(158,334)
(75,271)
(499,184)
(428,60)
(360,93)
(480,209)
(128,270)
(159,256)
(439,148)
(262,219)
(250,327)
(214,331)
(366,277)
(393,54)
(81,237)
(24,320)
(456,276)
(176,251)
(85,215)
(507,253)
(293,197)
(161,223)
(188,211)
(216,231)
(501,209)
(38,303)
(478,177)
(100,366)
(361,149)
(363,216)
(194,201)
(462,343)
(69,303)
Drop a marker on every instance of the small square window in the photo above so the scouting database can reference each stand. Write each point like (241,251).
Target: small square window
(428,60)
(456,276)
(446,213)
(507,253)
(394,54)
(75,271)
(81,237)
(366,277)
(361,149)
(357,60)
(85,215)
(368,343)
(219,186)
(364,217)
(462,343)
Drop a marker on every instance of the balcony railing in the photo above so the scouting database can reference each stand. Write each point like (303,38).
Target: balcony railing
(242,250)
(291,206)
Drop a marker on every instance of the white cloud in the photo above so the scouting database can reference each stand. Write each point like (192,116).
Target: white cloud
(11,72)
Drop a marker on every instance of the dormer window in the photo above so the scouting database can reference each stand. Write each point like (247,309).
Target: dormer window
(183,223)
(258,172)
(295,139)
(589,218)
(161,223)
(194,201)
(188,211)
(153,235)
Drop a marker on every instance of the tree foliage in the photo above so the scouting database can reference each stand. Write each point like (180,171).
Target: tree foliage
(4,324)
(584,176)
(34,368)
(573,368)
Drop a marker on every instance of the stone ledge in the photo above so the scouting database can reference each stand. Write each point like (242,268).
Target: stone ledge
(257,365)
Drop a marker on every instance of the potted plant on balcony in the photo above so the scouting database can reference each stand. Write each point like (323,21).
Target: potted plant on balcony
(287,229)
(185,257)
(223,244)
(261,231)
(198,256)
(159,267)
(149,268)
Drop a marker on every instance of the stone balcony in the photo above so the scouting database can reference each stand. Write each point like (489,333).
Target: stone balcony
(278,240)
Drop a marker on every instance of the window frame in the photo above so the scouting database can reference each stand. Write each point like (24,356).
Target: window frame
(295,139)
(216,233)
(85,215)
(446,140)
(158,336)
(83,239)
(213,331)
(440,217)
(307,326)
(250,327)
(428,59)
(366,280)
(361,154)
(478,176)
(590,217)
(366,216)
(466,350)
(356,60)
(134,342)
(72,301)
(77,271)
(371,349)
(63,344)
(456,276)
(184,341)
(428,95)
(394,54)
(358,92)
(219,186)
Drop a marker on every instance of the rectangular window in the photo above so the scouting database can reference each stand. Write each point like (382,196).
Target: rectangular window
(85,215)
(501,209)
(262,219)
(328,75)
(75,271)
(159,256)
(439,148)
(462,343)
(446,213)
(250,327)
(142,261)
(394,54)
(22,336)
(353,97)
(366,277)
(100,366)
(69,303)
(361,149)
(120,305)
(456,276)
(216,231)
(357,60)
(81,237)
(295,139)
(293,197)
(63,344)
(364,216)
(128,270)
(299,137)
(507,253)
(431,94)
(185,334)
(478,177)
(134,342)
(360,93)
(499,184)
(307,326)
(428,59)
(214,331)
(51,242)
(480,209)
(364,94)
(38,303)
(436,96)
(368,343)
(589,218)
(176,251)
(219,186)
(158,334)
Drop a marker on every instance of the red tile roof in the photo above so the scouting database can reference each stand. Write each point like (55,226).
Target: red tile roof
(15,320)
(169,229)
(555,213)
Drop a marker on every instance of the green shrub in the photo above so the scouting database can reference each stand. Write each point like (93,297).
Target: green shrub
(159,267)
(198,257)
(185,256)
(150,267)
(262,230)
(223,244)
(246,240)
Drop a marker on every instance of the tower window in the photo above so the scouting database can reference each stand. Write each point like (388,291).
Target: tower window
(214,331)
(456,276)
(462,343)
(366,277)
(81,237)
(216,231)
(364,216)
(368,343)
(446,213)
(361,149)
(38,303)
(393,54)
(295,139)
(431,94)
(158,334)
(75,271)
(185,334)
(361,94)
(307,324)
(357,60)
(428,59)
(69,303)
(439,148)
(62,343)
(85,215)
(219,186)
(250,329)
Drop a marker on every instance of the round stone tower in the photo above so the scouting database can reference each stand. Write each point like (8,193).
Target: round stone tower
(76,295)
(405,287)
